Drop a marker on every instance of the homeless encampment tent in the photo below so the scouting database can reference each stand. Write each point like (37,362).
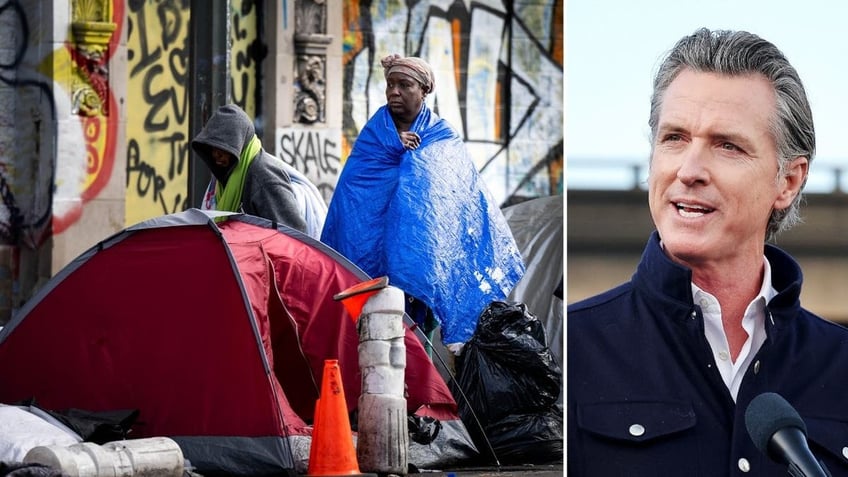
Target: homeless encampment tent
(215,327)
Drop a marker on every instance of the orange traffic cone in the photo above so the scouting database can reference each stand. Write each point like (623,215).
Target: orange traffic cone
(332,452)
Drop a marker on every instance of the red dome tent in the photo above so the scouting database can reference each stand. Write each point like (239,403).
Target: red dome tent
(216,330)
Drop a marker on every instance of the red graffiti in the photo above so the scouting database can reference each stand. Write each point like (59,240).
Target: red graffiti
(100,130)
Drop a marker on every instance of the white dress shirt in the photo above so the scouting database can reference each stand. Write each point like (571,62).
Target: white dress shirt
(753,322)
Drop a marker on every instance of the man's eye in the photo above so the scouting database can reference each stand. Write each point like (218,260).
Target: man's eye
(727,146)
(672,137)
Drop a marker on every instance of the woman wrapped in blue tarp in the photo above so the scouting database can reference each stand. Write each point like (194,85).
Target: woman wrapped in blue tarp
(410,205)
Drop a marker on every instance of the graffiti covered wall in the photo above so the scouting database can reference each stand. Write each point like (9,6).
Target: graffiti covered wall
(246,55)
(157,122)
(158,142)
(314,152)
(59,121)
(499,80)
(59,144)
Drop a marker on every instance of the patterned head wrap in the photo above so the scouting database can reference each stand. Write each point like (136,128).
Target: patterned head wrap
(412,66)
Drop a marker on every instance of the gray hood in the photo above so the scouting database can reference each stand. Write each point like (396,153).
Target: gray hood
(229,129)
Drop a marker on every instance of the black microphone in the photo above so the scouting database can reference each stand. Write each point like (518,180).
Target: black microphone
(779,432)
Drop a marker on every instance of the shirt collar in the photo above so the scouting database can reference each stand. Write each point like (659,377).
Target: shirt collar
(767,291)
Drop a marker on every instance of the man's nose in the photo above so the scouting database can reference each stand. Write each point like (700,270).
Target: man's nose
(694,164)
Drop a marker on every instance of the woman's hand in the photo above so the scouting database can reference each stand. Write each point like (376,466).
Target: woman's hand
(410,140)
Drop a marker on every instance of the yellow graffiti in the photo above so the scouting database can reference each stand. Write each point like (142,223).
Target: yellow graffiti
(157,105)
(244,65)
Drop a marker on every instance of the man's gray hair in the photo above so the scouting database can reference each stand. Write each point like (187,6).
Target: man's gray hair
(739,53)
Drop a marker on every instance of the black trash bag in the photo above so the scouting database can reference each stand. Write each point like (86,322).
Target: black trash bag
(528,438)
(505,372)
(99,427)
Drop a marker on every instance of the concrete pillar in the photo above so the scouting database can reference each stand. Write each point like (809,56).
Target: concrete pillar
(304,79)
(209,78)
(97,93)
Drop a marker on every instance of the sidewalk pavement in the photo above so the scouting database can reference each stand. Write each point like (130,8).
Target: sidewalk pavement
(541,470)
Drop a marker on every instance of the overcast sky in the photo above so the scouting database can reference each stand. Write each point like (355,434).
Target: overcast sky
(613,48)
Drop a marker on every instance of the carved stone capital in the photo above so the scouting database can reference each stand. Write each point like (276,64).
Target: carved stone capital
(310,86)
(311,44)
(92,31)
(310,17)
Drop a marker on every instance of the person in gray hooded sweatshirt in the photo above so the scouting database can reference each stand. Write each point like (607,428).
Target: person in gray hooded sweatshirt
(246,178)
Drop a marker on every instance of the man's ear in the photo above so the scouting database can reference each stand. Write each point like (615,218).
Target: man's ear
(791,183)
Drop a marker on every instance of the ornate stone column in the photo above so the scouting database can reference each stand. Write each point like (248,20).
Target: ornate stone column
(92,29)
(304,79)
(310,43)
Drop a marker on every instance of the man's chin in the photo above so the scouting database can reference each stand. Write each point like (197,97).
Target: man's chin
(685,247)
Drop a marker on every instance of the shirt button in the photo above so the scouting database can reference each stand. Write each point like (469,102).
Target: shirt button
(744,465)
(637,430)
(757,367)
(845,452)
(722,355)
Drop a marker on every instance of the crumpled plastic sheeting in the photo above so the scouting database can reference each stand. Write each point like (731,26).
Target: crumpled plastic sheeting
(537,226)
(451,447)
(425,219)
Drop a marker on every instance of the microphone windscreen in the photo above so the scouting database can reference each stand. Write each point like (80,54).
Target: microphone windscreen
(767,414)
